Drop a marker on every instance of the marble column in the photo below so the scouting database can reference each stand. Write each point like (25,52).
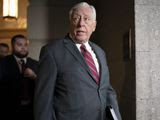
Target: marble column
(147,39)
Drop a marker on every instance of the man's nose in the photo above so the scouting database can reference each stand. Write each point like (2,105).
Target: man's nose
(23,47)
(81,22)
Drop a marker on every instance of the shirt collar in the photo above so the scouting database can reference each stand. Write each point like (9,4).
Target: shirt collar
(18,59)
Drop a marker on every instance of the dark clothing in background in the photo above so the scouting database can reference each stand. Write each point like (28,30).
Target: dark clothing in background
(11,89)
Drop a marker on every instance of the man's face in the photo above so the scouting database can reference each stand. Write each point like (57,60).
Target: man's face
(20,48)
(82,24)
(3,51)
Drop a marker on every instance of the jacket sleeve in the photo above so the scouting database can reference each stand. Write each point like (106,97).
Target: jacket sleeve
(44,91)
(112,101)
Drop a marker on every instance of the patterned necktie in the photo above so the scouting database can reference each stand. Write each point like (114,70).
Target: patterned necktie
(25,87)
(89,60)
(22,65)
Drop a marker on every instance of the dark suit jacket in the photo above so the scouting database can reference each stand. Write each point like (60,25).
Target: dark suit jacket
(10,86)
(65,88)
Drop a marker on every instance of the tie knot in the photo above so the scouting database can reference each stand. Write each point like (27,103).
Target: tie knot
(22,61)
(23,66)
(83,47)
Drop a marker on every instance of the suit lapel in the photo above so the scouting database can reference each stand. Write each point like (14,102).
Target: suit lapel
(70,45)
(100,60)
(75,52)
(15,64)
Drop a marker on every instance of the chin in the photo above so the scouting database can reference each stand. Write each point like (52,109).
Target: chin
(21,55)
(81,40)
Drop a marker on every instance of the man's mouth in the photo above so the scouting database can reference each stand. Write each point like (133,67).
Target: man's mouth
(80,32)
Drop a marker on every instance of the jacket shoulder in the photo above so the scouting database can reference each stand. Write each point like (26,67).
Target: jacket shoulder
(54,44)
(97,47)
(7,59)
(32,60)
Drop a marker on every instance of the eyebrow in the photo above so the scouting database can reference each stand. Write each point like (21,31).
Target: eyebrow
(80,15)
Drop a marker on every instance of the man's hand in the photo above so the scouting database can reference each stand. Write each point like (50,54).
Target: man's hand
(30,73)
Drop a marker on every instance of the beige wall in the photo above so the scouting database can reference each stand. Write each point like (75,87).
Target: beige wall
(147,24)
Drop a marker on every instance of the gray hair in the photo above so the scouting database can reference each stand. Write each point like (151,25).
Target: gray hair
(83,4)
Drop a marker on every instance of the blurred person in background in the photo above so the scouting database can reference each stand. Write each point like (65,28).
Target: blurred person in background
(18,73)
(4,50)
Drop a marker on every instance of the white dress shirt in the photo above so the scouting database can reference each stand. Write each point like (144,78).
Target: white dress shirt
(19,61)
(88,47)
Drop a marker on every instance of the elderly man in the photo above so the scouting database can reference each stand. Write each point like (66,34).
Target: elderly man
(73,79)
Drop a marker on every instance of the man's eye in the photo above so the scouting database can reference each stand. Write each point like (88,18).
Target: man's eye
(86,19)
(75,18)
